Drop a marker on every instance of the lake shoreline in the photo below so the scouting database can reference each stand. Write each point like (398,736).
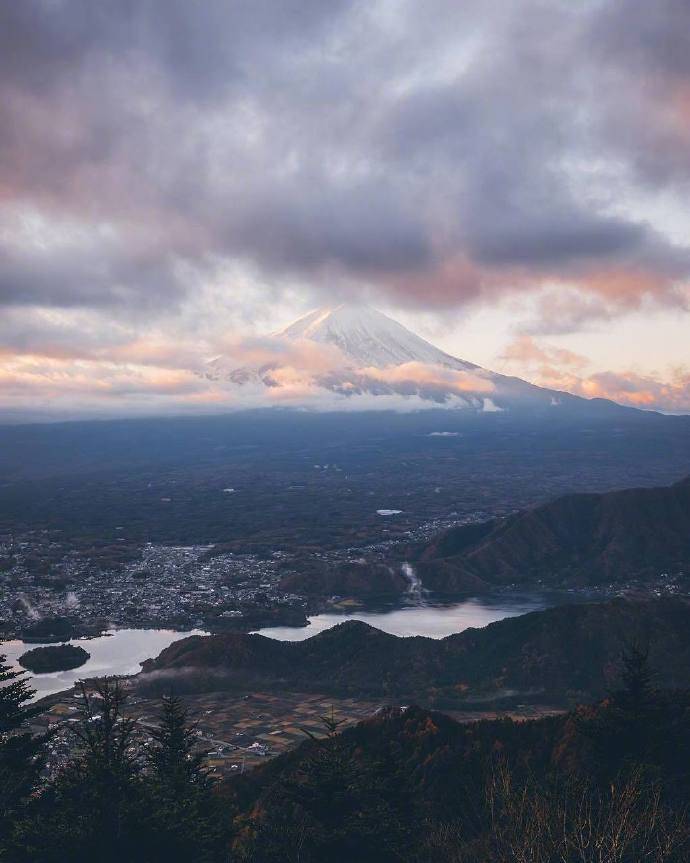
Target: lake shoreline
(121,651)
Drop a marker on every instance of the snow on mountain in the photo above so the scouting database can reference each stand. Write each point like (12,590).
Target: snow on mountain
(368,338)
(356,352)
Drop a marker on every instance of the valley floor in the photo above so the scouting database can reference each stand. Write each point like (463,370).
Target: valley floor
(240,730)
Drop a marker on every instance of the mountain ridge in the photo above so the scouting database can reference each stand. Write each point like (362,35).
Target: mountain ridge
(558,655)
(581,539)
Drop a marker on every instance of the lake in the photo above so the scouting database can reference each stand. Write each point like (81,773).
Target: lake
(118,652)
(122,650)
(433,619)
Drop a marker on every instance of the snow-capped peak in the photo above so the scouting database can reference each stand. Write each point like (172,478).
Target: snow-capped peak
(367,337)
(376,356)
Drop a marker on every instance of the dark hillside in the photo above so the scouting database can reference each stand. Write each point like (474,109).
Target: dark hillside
(564,654)
(415,785)
(575,539)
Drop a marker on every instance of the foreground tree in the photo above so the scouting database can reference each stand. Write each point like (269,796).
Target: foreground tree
(630,731)
(185,818)
(93,809)
(117,800)
(335,807)
(173,761)
(20,751)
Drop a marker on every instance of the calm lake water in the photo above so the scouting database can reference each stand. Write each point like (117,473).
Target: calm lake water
(121,651)
(118,652)
(435,620)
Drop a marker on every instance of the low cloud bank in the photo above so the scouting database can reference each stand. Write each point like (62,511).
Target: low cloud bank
(557,368)
(140,378)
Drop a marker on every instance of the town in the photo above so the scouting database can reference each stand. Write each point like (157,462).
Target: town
(173,587)
(165,586)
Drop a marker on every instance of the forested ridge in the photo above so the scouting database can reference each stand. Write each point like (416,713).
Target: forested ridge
(580,539)
(565,654)
(606,782)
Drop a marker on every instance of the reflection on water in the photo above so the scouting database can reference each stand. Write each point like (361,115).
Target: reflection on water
(434,620)
(119,652)
(122,650)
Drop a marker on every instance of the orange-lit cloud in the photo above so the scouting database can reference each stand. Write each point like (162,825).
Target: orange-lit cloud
(273,351)
(158,191)
(631,388)
(556,368)
(48,378)
(427,375)
(256,372)
(526,351)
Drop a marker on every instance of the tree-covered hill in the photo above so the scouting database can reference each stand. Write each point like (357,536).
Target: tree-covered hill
(565,654)
(582,539)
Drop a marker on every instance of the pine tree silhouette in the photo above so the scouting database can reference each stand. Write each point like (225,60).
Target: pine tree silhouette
(20,751)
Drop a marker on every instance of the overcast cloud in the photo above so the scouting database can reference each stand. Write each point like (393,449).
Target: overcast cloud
(171,170)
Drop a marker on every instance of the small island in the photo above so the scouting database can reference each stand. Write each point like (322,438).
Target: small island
(43,660)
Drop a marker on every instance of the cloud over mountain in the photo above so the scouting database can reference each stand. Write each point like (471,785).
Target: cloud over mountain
(156,156)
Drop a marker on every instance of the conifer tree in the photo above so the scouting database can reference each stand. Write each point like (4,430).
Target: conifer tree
(626,731)
(92,810)
(20,751)
(173,762)
(106,735)
(185,820)
(637,693)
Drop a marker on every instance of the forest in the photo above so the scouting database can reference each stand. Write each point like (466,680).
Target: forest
(605,783)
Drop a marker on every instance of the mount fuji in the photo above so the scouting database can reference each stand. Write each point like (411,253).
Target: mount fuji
(369,338)
(358,352)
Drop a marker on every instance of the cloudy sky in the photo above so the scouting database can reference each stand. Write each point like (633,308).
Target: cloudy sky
(509,178)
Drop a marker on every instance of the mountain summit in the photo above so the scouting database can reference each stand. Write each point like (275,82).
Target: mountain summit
(349,354)
(368,338)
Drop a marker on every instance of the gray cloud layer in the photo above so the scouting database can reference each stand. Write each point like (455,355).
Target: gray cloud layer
(437,152)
